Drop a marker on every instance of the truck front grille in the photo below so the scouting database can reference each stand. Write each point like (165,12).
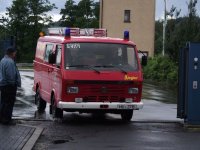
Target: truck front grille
(103,99)
(104,90)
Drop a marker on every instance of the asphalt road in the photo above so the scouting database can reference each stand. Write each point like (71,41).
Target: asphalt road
(88,132)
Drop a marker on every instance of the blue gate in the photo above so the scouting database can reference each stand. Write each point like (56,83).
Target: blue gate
(189,84)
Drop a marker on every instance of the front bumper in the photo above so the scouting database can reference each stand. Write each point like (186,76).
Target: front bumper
(100,105)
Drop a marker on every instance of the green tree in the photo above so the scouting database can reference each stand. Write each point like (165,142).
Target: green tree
(38,17)
(3,29)
(179,30)
(96,10)
(184,29)
(85,14)
(192,25)
(68,14)
(96,17)
(26,18)
(158,36)
(18,14)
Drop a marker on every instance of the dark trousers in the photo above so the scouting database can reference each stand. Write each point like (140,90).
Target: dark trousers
(8,97)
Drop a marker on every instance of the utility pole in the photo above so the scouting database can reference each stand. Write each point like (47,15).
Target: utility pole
(164,27)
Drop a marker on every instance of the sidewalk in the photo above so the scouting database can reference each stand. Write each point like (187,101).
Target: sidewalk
(18,137)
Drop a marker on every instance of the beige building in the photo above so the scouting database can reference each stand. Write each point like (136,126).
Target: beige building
(137,16)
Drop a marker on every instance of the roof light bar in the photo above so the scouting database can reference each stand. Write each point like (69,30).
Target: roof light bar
(87,32)
(64,31)
(56,31)
(67,32)
(74,31)
(100,32)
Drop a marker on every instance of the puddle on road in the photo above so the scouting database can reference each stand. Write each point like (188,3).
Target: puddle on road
(60,141)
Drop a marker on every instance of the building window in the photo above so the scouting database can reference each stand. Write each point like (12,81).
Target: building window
(127,16)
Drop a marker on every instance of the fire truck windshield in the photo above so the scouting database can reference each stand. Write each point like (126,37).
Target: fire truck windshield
(100,56)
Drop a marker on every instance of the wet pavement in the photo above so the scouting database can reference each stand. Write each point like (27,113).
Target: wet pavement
(159,92)
(14,137)
(24,105)
(89,134)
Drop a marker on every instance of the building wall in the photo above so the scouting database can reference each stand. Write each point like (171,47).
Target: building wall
(142,21)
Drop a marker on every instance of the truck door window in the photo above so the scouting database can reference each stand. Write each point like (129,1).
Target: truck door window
(48,50)
(130,53)
(58,54)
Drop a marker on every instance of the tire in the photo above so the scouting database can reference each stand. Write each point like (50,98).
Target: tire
(41,104)
(126,115)
(56,112)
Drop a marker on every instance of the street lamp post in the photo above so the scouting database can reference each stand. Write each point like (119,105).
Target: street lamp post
(164,28)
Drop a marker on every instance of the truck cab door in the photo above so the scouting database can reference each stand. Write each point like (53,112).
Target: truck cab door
(56,76)
(46,71)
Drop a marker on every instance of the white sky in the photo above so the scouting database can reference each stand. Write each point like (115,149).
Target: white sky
(180,4)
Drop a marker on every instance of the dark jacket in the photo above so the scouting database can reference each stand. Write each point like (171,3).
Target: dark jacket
(9,74)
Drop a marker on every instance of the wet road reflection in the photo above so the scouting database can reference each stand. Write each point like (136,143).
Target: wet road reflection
(159,92)
(25,107)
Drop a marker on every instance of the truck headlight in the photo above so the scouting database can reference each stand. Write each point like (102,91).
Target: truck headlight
(72,90)
(133,90)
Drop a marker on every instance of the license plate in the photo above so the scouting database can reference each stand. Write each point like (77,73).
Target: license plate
(125,107)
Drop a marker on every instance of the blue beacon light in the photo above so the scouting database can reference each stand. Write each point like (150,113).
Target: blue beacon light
(126,35)
(67,33)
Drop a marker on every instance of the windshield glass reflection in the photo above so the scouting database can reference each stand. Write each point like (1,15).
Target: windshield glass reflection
(100,55)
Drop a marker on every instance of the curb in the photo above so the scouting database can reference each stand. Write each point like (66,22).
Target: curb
(34,137)
(28,70)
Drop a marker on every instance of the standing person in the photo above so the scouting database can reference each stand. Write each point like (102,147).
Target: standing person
(9,81)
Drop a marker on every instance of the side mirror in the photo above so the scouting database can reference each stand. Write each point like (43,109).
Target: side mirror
(143,56)
(52,58)
(144,60)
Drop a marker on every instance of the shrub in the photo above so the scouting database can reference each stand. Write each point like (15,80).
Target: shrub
(161,69)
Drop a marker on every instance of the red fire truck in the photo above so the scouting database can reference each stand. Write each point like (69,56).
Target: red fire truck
(83,70)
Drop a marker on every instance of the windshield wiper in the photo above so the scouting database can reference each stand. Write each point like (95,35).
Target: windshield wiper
(83,66)
(113,66)
(91,67)
(122,69)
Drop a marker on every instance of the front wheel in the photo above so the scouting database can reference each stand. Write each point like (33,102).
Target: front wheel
(41,104)
(126,115)
(56,112)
